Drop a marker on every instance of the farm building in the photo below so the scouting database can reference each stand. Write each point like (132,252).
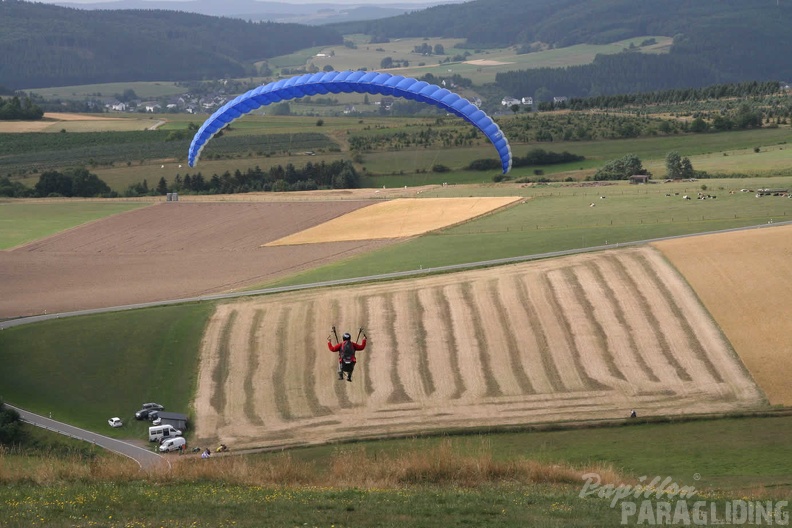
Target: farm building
(177,420)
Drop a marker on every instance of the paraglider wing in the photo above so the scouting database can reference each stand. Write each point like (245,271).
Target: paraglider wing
(348,82)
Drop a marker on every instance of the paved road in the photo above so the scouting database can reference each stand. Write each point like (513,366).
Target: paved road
(147,459)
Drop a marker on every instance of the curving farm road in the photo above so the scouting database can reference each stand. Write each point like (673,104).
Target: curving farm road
(147,459)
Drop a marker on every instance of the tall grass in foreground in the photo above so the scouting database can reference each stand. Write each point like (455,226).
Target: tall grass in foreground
(441,465)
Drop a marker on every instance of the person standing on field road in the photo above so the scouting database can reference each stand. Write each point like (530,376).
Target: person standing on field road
(346,353)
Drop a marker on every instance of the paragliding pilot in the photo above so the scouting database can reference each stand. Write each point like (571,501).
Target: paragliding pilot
(346,352)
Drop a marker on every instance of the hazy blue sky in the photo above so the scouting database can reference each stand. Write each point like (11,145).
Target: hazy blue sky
(358,2)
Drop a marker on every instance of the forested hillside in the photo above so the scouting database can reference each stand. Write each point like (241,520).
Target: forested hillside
(46,45)
(715,41)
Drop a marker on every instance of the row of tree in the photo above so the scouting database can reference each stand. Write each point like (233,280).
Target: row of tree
(77,182)
(16,109)
(677,167)
(535,157)
(609,75)
(333,175)
(752,89)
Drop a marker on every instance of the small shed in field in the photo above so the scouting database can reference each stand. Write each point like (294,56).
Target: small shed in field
(639,178)
(177,420)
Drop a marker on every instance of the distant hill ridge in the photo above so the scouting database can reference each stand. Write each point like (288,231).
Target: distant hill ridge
(715,42)
(320,12)
(46,45)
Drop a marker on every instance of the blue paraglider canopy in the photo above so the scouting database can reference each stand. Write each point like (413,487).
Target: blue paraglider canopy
(348,82)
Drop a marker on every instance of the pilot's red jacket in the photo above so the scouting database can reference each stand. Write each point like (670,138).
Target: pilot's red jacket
(337,348)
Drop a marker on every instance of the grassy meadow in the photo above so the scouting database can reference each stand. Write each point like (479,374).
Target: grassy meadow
(85,370)
(143,89)
(559,216)
(22,222)
(513,478)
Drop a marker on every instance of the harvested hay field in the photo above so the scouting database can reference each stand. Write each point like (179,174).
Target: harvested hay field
(743,279)
(583,337)
(50,120)
(398,219)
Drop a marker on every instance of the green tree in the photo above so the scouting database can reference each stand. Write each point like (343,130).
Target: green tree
(86,184)
(280,109)
(673,163)
(11,431)
(687,168)
(621,169)
(698,125)
(745,117)
(53,183)
(162,186)
(678,167)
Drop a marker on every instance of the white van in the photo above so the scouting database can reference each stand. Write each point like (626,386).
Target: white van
(172,444)
(158,433)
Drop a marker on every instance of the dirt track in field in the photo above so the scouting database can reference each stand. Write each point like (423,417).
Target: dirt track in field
(583,337)
(745,281)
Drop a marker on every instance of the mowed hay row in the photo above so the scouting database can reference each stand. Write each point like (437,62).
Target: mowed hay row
(583,337)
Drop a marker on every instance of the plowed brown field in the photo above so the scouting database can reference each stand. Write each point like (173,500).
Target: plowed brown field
(166,251)
(588,336)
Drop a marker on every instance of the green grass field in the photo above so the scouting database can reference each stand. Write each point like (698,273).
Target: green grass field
(752,451)
(22,222)
(85,370)
(143,89)
(558,217)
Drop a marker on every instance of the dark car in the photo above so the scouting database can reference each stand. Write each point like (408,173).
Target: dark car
(143,414)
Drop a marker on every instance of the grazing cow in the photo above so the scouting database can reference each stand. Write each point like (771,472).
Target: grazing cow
(686,197)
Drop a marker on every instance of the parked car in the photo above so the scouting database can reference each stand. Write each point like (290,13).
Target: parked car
(115,422)
(158,433)
(172,444)
(143,414)
(154,417)
(155,406)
